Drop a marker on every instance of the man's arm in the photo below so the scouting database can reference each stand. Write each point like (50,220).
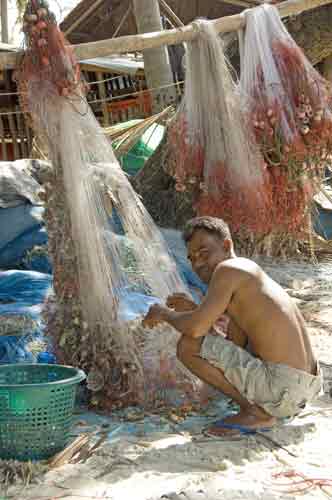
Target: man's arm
(198,322)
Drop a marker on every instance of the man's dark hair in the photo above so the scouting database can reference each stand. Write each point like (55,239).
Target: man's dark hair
(212,225)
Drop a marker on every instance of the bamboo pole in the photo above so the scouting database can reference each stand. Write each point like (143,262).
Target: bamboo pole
(83,16)
(102,94)
(123,20)
(173,17)
(134,43)
(4,21)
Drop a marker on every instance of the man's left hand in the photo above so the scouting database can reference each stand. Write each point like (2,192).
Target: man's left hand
(155,316)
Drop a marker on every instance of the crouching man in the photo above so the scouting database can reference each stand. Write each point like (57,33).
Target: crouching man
(278,375)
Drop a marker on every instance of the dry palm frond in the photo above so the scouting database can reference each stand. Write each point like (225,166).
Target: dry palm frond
(127,137)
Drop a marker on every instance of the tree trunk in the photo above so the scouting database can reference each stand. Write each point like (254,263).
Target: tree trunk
(156,61)
(4,21)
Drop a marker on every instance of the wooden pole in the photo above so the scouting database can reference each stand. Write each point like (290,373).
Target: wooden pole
(4,21)
(85,14)
(134,43)
(169,12)
(157,67)
(123,20)
(102,95)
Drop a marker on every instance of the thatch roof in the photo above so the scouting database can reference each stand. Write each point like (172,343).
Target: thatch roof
(311,30)
(105,19)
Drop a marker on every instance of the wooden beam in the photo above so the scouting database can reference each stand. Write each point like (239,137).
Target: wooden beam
(83,16)
(135,43)
(4,21)
(123,20)
(102,95)
(238,3)
(171,14)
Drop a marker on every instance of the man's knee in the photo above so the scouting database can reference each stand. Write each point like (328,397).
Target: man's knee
(188,347)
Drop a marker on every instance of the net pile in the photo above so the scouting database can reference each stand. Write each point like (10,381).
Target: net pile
(105,248)
(214,157)
(288,109)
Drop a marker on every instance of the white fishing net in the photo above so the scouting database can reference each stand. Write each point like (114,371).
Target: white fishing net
(111,266)
(287,107)
(214,154)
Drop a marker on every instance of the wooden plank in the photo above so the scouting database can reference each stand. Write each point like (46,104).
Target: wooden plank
(29,136)
(137,43)
(3,142)
(21,135)
(102,95)
(13,133)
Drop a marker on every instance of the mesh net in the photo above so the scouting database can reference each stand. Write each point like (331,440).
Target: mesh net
(287,104)
(111,266)
(214,155)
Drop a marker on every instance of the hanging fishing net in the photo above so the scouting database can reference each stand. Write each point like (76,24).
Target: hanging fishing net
(108,255)
(213,156)
(287,103)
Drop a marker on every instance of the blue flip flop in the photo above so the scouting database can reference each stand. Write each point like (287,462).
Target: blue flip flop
(237,427)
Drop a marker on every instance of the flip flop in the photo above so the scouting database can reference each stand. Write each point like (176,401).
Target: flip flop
(243,430)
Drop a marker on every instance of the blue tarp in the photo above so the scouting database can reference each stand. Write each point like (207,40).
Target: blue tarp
(22,294)
(323,223)
(21,230)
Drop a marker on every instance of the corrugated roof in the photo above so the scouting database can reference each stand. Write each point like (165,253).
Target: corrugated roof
(118,64)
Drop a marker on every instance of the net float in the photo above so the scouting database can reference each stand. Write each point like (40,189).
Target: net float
(31,18)
(45,61)
(42,42)
(41,25)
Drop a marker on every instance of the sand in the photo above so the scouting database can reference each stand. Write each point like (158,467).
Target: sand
(148,465)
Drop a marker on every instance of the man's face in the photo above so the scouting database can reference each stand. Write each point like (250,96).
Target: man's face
(205,252)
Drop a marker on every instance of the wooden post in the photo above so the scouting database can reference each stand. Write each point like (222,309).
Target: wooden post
(102,95)
(13,134)
(3,141)
(157,67)
(4,21)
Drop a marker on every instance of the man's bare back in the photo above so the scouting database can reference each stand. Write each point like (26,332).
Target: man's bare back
(279,376)
(267,316)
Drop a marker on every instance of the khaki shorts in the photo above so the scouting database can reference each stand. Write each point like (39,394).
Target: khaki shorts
(280,390)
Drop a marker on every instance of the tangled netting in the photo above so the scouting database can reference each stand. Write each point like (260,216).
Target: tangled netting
(287,103)
(120,255)
(253,152)
(214,156)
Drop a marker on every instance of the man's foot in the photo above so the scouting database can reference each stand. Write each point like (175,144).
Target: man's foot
(240,424)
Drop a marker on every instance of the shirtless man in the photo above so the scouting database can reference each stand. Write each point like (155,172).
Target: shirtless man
(279,375)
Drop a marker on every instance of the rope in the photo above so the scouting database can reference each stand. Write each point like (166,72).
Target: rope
(87,83)
(108,99)
(137,93)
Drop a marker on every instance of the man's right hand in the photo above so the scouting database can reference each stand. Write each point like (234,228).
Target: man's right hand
(180,302)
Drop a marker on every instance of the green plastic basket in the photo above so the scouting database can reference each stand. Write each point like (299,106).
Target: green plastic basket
(36,409)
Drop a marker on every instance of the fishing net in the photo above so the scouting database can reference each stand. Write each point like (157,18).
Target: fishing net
(214,157)
(287,103)
(118,250)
